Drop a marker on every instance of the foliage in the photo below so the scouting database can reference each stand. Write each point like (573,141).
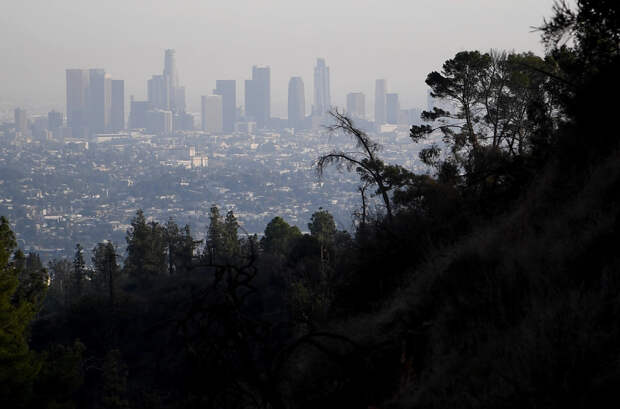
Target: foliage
(19,366)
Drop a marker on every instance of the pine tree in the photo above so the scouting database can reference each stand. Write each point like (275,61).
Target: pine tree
(18,365)
(78,277)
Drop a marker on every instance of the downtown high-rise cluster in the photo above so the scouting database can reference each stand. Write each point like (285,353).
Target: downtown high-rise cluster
(95,105)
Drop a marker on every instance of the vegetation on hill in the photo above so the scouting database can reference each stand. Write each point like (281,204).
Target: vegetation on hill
(489,281)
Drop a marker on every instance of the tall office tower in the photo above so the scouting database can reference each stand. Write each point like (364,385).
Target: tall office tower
(296,103)
(21,120)
(117,114)
(159,121)
(258,96)
(77,100)
(99,100)
(228,90)
(212,113)
(158,92)
(322,97)
(175,93)
(54,120)
(137,114)
(380,90)
(179,99)
(356,105)
(183,121)
(170,69)
(392,108)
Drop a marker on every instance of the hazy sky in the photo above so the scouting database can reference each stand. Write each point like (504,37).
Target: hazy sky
(361,40)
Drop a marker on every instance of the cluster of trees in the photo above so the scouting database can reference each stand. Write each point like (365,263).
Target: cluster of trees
(487,281)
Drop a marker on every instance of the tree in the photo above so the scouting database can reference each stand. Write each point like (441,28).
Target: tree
(33,278)
(78,276)
(180,247)
(146,249)
(19,365)
(214,244)
(106,272)
(491,94)
(114,382)
(279,237)
(366,162)
(60,281)
(231,236)
(322,227)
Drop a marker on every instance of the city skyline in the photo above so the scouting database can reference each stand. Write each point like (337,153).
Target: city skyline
(130,46)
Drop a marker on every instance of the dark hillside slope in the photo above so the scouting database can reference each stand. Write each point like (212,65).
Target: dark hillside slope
(524,313)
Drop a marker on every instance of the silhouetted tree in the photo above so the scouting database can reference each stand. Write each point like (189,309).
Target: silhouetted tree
(19,365)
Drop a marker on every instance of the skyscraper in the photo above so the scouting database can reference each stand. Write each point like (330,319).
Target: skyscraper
(99,100)
(117,115)
(138,113)
(54,120)
(77,100)
(158,92)
(212,113)
(258,96)
(322,97)
(159,121)
(392,108)
(296,103)
(228,90)
(356,105)
(380,90)
(170,68)
(21,120)
(175,94)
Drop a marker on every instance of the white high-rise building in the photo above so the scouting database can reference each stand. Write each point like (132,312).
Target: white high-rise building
(322,97)
(380,91)
(212,114)
(296,103)
(356,105)
(77,100)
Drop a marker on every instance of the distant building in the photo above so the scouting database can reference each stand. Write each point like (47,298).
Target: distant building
(392,108)
(175,93)
(158,92)
(212,114)
(296,103)
(356,105)
(40,127)
(183,122)
(322,97)
(138,114)
(258,96)
(380,90)
(55,120)
(21,120)
(117,114)
(99,100)
(247,127)
(77,100)
(179,99)
(159,121)
(228,90)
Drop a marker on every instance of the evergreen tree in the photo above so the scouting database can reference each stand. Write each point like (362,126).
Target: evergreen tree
(146,249)
(279,237)
(18,365)
(214,246)
(106,272)
(231,236)
(114,382)
(78,276)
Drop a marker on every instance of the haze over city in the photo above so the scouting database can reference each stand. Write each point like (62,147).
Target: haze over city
(361,40)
